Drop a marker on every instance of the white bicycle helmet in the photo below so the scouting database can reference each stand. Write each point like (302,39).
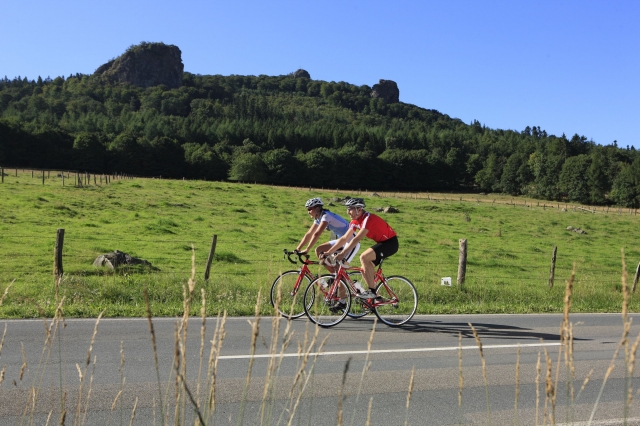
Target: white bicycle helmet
(355,202)
(313,202)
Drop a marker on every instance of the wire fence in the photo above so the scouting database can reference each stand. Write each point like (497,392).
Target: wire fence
(82,179)
(23,255)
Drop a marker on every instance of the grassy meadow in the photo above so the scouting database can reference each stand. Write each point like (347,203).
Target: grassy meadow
(510,243)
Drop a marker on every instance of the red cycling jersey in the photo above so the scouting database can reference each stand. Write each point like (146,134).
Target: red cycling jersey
(379,230)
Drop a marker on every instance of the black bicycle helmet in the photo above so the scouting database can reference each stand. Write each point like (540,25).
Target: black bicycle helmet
(313,202)
(355,202)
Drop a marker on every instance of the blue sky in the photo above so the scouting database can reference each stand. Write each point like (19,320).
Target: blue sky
(567,66)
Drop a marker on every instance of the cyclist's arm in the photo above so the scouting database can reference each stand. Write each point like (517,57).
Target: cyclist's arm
(359,236)
(316,235)
(308,236)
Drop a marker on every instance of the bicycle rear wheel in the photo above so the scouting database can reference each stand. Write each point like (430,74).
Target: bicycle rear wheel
(400,301)
(320,301)
(358,309)
(291,304)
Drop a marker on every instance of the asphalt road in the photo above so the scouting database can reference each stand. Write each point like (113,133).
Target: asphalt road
(341,376)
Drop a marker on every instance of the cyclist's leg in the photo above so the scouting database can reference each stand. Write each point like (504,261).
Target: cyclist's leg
(323,248)
(367,259)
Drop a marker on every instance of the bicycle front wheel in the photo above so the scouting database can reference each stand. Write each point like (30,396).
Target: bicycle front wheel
(322,301)
(400,301)
(290,285)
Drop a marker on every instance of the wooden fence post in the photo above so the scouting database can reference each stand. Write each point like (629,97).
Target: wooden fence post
(2,173)
(210,258)
(43,177)
(57,254)
(462,263)
(635,279)
(552,271)
(62,179)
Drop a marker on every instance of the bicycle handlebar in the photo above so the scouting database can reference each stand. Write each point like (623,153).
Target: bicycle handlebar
(302,256)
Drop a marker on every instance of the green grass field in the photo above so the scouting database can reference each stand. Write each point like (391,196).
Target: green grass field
(510,243)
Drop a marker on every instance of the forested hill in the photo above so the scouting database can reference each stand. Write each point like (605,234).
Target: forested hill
(295,130)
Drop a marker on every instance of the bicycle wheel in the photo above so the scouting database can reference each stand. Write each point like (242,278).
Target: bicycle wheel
(400,301)
(358,309)
(320,301)
(291,296)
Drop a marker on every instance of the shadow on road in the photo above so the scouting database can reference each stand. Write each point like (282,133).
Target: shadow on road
(484,330)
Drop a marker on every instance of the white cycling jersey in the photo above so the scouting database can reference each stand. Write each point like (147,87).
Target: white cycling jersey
(335,223)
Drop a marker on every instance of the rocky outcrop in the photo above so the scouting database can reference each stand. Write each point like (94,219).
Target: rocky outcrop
(118,259)
(146,65)
(387,90)
(301,74)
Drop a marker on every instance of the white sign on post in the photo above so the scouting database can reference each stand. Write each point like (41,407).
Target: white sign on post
(445,281)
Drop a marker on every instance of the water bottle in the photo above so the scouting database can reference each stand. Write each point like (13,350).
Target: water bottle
(358,287)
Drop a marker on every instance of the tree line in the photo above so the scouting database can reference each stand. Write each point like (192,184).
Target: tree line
(286,130)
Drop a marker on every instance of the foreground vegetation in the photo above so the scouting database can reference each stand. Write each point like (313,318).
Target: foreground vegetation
(276,393)
(510,245)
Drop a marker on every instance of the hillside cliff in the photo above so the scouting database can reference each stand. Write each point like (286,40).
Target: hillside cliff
(146,65)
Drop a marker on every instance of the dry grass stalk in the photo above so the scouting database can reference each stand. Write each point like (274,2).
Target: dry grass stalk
(515,404)
(115,400)
(191,398)
(3,336)
(566,341)
(275,362)
(630,367)
(629,350)
(341,396)
(460,376)
(484,369)
(413,372)
(255,331)
(155,348)
(608,373)
(550,392)
(584,383)
(2,372)
(538,371)
(23,367)
(83,372)
(293,407)
(203,331)
(368,423)
(122,380)
(133,412)
(58,281)
(51,331)
(177,363)
(272,366)
(365,368)
(216,345)
(6,291)
(88,398)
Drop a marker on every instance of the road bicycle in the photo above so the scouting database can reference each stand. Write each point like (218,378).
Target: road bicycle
(288,283)
(396,304)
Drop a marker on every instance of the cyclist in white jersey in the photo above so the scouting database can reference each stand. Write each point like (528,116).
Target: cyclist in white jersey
(324,219)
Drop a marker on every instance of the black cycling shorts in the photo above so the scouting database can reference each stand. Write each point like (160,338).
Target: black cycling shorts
(385,249)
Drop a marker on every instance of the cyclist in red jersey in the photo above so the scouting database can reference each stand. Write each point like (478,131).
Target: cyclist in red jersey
(371,226)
